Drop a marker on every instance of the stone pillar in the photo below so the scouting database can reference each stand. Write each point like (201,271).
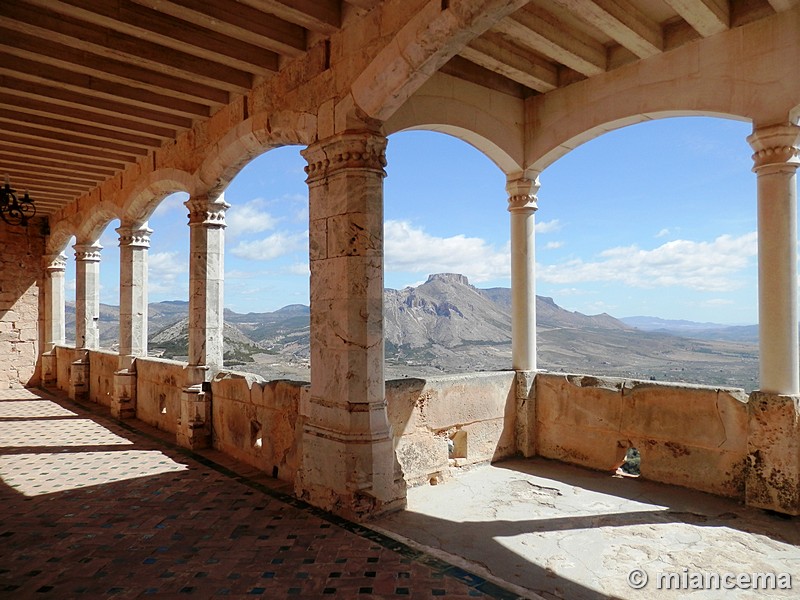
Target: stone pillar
(522,206)
(87,314)
(54,320)
(773,476)
(206,277)
(775,164)
(134,241)
(87,295)
(348,461)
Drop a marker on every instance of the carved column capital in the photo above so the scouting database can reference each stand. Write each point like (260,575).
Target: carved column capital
(207,212)
(88,252)
(55,263)
(522,195)
(350,150)
(776,147)
(136,236)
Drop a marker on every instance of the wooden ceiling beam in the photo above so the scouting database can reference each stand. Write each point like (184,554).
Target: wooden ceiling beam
(44,24)
(707,17)
(322,16)
(109,70)
(39,72)
(491,51)
(66,127)
(152,26)
(236,21)
(622,21)
(41,108)
(535,28)
(124,151)
(56,148)
(20,159)
(49,175)
(81,100)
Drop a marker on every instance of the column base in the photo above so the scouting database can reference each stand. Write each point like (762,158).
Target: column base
(123,404)
(79,379)
(49,370)
(525,425)
(354,478)
(773,447)
(194,428)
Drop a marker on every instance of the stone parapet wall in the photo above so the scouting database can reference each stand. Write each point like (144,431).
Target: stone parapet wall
(257,421)
(102,366)
(693,436)
(65,356)
(451,421)
(22,268)
(158,392)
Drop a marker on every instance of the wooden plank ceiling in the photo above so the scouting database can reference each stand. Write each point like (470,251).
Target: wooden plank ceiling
(89,86)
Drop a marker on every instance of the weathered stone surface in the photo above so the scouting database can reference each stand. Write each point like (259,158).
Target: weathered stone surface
(692,436)
(21,262)
(257,422)
(773,452)
(158,392)
(473,415)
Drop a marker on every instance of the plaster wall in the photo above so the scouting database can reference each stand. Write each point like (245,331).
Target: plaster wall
(23,277)
(158,392)
(475,411)
(256,421)
(693,436)
(102,365)
(65,356)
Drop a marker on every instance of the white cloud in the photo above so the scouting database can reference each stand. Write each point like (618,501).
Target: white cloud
(168,273)
(273,246)
(703,266)
(663,233)
(553,245)
(719,302)
(411,249)
(300,268)
(548,226)
(249,218)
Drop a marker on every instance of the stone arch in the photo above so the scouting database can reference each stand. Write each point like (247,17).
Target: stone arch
(151,190)
(60,236)
(563,144)
(249,139)
(458,108)
(93,224)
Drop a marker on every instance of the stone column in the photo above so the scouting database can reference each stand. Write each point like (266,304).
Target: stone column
(87,313)
(348,462)
(522,206)
(775,163)
(87,295)
(54,320)
(773,438)
(206,277)
(134,241)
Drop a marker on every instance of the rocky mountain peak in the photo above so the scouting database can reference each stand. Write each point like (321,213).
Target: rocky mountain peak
(448,278)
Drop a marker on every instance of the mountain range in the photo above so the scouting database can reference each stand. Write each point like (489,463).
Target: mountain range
(447,325)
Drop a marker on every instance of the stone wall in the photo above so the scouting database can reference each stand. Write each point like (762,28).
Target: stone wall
(451,421)
(693,436)
(158,392)
(257,421)
(65,356)
(102,365)
(23,273)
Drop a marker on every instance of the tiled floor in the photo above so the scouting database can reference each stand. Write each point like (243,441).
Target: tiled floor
(90,508)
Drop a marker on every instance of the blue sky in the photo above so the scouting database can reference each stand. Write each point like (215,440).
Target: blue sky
(654,219)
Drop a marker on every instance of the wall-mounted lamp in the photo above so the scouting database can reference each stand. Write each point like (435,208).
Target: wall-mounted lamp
(13,210)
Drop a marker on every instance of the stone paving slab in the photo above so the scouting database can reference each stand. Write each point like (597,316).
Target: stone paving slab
(567,532)
(92,508)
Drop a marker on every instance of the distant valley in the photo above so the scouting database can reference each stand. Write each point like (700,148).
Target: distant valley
(446,325)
